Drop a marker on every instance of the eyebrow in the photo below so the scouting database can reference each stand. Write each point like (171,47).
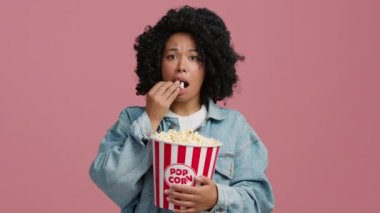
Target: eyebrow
(176,49)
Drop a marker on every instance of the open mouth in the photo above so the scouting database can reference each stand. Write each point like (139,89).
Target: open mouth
(183,84)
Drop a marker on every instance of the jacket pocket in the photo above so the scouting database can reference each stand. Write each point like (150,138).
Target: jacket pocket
(224,167)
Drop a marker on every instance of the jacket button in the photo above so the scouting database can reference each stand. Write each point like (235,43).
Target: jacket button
(145,141)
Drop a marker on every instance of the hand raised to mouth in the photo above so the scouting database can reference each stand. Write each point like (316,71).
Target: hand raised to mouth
(159,99)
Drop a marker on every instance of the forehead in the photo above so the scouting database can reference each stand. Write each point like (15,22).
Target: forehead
(180,41)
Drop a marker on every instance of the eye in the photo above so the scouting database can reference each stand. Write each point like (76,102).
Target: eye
(170,57)
(194,58)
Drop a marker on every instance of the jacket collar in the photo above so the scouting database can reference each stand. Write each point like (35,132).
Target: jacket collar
(214,111)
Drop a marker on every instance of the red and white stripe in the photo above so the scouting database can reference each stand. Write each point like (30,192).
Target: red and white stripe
(201,159)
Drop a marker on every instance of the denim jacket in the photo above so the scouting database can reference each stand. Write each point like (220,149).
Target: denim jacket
(123,166)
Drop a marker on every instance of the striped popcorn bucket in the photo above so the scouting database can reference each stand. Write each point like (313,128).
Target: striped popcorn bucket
(175,163)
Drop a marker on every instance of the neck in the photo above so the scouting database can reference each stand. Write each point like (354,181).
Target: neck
(185,108)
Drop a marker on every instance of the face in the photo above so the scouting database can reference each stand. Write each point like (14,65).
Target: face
(181,61)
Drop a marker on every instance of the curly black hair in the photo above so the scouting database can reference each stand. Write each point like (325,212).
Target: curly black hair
(213,42)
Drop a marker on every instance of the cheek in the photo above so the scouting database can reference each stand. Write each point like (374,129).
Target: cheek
(166,70)
(201,76)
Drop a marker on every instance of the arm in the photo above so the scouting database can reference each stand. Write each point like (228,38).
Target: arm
(249,189)
(123,158)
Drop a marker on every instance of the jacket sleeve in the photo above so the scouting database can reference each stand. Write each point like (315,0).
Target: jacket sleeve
(249,189)
(123,159)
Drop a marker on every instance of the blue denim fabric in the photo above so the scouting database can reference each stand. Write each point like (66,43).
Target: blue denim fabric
(123,167)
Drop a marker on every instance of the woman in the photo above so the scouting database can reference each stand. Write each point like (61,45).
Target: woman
(185,64)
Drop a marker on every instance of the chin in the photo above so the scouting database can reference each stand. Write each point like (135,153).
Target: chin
(183,98)
(180,99)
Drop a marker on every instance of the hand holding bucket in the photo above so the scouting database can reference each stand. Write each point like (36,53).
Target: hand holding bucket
(176,162)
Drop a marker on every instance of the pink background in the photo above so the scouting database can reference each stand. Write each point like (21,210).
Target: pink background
(309,86)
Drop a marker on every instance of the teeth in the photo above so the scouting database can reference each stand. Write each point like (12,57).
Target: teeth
(182,85)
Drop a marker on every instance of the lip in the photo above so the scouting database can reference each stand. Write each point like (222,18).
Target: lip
(182,79)
(182,91)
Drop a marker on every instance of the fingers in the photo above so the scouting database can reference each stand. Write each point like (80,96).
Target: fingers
(159,99)
(182,203)
(165,92)
(184,189)
(187,202)
(190,190)
(179,195)
(173,96)
(193,198)
(202,180)
(171,92)
(164,89)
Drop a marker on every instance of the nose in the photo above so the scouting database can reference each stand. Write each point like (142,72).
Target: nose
(182,69)
(182,66)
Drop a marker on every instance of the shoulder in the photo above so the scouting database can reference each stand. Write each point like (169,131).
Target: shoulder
(134,109)
(132,112)
(240,122)
(232,114)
